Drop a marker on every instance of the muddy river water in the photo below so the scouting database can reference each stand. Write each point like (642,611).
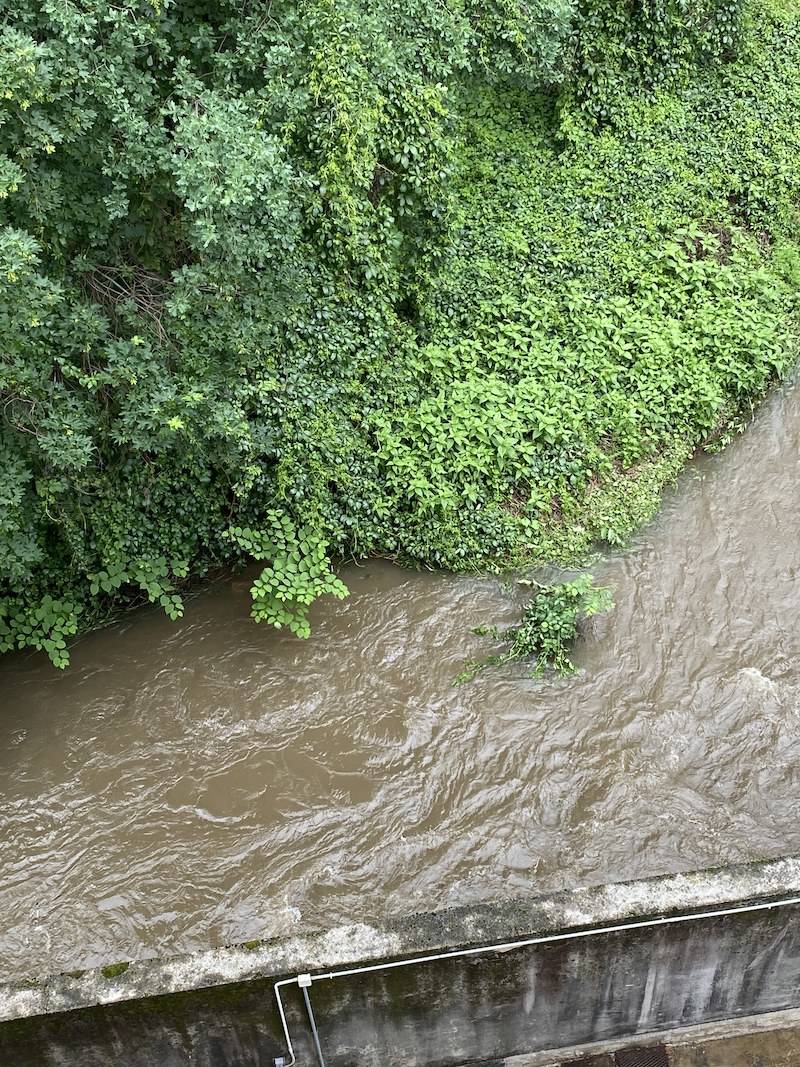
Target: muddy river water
(189,784)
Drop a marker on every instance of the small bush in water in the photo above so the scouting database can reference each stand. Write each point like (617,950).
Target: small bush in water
(548,627)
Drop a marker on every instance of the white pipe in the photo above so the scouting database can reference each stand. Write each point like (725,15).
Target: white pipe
(505,946)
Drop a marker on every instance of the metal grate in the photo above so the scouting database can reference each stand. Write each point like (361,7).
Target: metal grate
(653,1056)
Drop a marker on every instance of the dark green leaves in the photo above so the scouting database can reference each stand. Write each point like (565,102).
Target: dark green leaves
(291,282)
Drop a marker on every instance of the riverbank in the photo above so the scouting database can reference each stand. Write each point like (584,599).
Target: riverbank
(202,782)
(498,356)
(610,303)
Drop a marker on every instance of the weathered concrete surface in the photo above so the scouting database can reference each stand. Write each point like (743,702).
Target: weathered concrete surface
(775,1050)
(217,1009)
(771,1040)
(421,933)
(768,1040)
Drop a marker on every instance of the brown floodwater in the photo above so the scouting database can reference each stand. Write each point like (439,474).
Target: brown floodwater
(190,784)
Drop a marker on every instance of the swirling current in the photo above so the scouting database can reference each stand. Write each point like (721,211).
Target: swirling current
(191,784)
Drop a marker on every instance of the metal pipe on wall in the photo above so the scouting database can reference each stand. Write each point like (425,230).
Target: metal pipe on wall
(304,981)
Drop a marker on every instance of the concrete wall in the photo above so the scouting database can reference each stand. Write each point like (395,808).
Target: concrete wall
(768,1040)
(217,1009)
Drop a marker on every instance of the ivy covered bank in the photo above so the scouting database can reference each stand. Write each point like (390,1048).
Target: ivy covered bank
(462,283)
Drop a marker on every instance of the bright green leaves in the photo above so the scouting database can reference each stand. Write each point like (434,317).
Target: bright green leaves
(283,592)
(11,175)
(299,281)
(151,576)
(546,391)
(472,433)
(378,135)
(44,625)
(300,572)
(21,74)
(548,628)
(19,257)
(550,623)
(263,544)
(593,325)
(109,579)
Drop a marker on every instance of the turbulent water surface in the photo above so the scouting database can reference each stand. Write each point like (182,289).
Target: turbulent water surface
(189,784)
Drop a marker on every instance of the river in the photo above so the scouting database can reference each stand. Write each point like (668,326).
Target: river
(191,784)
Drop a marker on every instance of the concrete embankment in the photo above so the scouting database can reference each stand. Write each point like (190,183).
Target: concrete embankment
(595,965)
(768,1040)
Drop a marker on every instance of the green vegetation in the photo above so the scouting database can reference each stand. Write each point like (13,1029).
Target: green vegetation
(114,970)
(461,284)
(548,627)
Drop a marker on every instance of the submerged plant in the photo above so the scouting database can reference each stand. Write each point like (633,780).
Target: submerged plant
(548,627)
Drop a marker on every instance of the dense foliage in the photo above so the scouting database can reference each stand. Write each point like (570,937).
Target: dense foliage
(460,283)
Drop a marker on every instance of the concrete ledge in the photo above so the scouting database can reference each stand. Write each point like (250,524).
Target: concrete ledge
(426,932)
(620,962)
(722,1043)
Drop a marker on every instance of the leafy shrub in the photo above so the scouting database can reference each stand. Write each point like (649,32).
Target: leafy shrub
(619,45)
(45,625)
(327,274)
(298,575)
(548,627)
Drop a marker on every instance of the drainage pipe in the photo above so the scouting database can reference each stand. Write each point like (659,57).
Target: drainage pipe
(310,1012)
(304,981)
